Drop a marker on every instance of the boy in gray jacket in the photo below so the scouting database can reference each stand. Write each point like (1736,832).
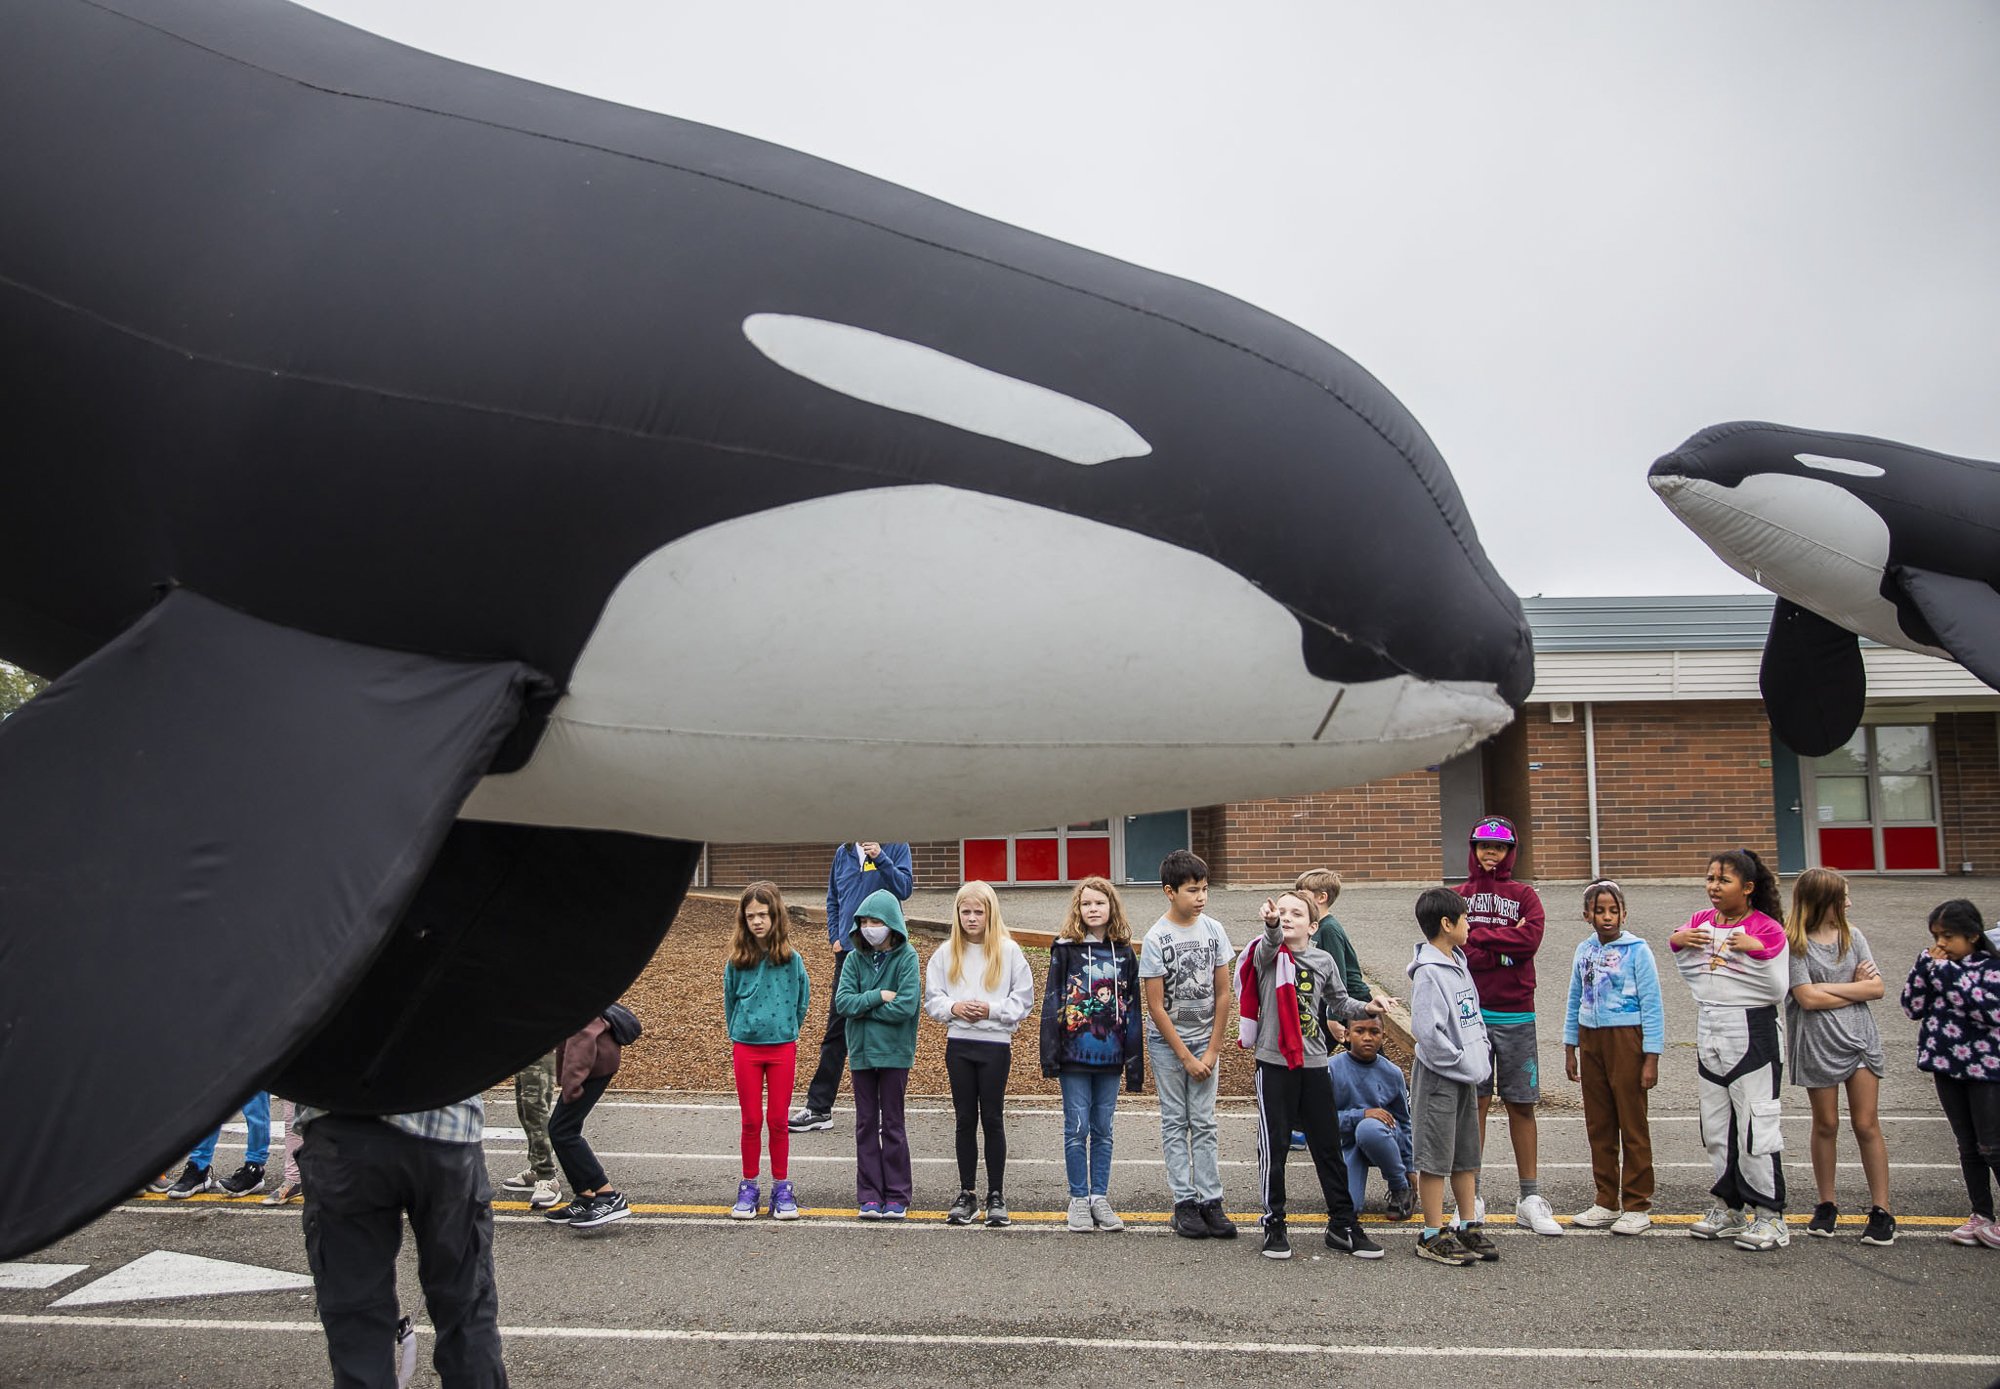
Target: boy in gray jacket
(1296,991)
(1453,1059)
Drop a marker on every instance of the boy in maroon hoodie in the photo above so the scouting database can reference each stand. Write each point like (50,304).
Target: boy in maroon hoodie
(1507,922)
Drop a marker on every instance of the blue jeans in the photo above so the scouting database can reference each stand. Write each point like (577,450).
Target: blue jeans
(257,1117)
(1089,1098)
(1187,1126)
(1377,1145)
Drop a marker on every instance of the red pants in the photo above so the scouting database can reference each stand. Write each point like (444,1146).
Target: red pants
(765,1074)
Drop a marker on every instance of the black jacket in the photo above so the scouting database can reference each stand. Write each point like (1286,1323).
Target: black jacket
(1092,1016)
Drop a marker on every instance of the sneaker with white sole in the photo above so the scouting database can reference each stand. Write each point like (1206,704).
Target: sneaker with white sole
(784,1203)
(547,1192)
(1968,1233)
(246,1180)
(1534,1212)
(1079,1215)
(1102,1216)
(965,1209)
(1881,1228)
(1765,1233)
(998,1217)
(192,1182)
(748,1197)
(161,1184)
(807,1120)
(1825,1217)
(1402,1202)
(286,1195)
(1276,1244)
(605,1207)
(1478,1212)
(523,1180)
(1632,1223)
(1596,1218)
(1720,1223)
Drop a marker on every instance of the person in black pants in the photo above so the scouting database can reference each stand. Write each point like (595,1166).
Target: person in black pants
(858,869)
(585,1064)
(361,1175)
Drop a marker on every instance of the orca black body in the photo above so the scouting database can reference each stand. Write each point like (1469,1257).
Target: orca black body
(1858,537)
(685,486)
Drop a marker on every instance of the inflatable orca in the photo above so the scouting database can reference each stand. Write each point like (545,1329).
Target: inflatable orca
(1858,537)
(444,501)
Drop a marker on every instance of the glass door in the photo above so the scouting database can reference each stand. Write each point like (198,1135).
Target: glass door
(1875,802)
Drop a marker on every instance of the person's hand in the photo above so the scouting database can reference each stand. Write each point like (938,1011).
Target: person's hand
(1569,1064)
(1270,912)
(1649,1071)
(888,995)
(1337,1031)
(975,1011)
(870,849)
(1689,935)
(1741,941)
(1198,1068)
(1379,1004)
(1380,1116)
(1866,970)
(1936,952)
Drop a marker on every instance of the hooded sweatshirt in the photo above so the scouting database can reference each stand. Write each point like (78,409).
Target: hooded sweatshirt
(1507,922)
(880,1036)
(1616,985)
(1317,994)
(852,878)
(1092,1015)
(1445,1024)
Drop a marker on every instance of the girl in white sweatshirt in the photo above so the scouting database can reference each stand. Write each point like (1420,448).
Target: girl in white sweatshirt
(978,984)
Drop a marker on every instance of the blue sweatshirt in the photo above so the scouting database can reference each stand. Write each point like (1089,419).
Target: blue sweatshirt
(1377,1085)
(1616,985)
(852,878)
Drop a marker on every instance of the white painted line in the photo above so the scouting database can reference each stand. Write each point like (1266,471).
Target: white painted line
(36,1275)
(698,1335)
(163,1273)
(1802,1115)
(278,1131)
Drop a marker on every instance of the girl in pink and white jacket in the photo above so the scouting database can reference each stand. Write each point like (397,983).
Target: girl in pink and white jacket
(1954,994)
(1733,957)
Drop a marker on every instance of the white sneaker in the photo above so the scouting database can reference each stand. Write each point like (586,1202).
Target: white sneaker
(524,1180)
(546,1194)
(1103,1216)
(1534,1212)
(1720,1223)
(1632,1223)
(1478,1211)
(1596,1218)
(1765,1232)
(1079,1215)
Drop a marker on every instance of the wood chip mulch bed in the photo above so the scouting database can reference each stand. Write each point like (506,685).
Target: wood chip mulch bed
(685,1047)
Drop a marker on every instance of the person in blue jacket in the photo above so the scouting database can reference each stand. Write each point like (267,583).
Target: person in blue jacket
(859,869)
(1372,1103)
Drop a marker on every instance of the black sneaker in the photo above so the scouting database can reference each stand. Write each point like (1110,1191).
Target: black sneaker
(996,1210)
(567,1215)
(1358,1243)
(193,1181)
(1474,1241)
(807,1120)
(1402,1203)
(964,1210)
(1881,1227)
(1219,1225)
(1444,1248)
(1187,1222)
(1339,1239)
(1825,1216)
(604,1208)
(246,1180)
(1276,1246)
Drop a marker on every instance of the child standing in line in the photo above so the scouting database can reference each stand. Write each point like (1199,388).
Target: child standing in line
(1617,1021)
(1373,1105)
(1453,1060)
(1184,970)
(1733,959)
(1507,923)
(1092,1029)
(1289,990)
(878,996)
(979,985)
(1953,992)
(765,993)
(1321,887)
(1831,1041)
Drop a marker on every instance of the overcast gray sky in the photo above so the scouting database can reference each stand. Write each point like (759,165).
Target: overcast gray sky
(1567,235)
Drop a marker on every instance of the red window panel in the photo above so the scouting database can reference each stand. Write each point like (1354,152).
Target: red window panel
(1036,861)
(1850,849)
(985,860)
(1913,848)
(1088,858)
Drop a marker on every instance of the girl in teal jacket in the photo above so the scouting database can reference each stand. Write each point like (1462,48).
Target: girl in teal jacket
(879,994)
(765,991)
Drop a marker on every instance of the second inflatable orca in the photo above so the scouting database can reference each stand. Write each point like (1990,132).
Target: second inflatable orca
(1858,537)
(620,483)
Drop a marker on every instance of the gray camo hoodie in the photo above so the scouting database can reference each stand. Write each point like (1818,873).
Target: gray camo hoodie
(1450,1035)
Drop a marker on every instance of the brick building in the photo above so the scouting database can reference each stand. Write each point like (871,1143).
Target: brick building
(1642,748)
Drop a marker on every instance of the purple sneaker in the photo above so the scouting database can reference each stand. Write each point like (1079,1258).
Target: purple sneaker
(894,1210)
(784,1206)
(746,1200)
(870,1210)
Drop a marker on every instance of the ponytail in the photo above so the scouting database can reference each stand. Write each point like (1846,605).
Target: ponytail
(1763,884)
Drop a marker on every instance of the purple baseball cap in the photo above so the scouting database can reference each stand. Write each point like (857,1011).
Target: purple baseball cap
(1494,829)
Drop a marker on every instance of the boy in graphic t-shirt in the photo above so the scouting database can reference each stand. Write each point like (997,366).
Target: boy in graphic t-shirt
(1183,971)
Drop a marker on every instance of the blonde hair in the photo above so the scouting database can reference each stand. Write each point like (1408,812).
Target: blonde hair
(745,950)
(994,941)
(1117,930)
(1321,880)
(1818,896)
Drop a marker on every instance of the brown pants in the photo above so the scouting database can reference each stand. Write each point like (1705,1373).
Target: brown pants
(1614,1111)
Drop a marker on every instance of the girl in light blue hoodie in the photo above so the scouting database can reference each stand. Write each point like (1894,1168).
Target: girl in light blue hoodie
(1613,1034)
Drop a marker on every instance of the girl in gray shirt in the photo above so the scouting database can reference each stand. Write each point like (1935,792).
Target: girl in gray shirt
(1831,1041)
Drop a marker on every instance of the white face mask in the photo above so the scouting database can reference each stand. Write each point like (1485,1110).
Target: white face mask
(875,935)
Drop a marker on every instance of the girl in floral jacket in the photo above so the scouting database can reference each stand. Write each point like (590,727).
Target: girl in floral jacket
(1954,994)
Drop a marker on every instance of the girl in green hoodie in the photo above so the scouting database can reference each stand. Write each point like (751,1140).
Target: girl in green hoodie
(879,996)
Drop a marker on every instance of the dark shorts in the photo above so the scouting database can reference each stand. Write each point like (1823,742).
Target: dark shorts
(1517,1071)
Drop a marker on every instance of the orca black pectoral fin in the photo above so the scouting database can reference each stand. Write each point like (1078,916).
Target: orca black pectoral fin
(208,832)
(1813,681)
(518,937)
(1964,613)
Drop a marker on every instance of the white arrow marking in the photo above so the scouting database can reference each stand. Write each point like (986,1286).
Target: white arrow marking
(36,1275)
(164,1274)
